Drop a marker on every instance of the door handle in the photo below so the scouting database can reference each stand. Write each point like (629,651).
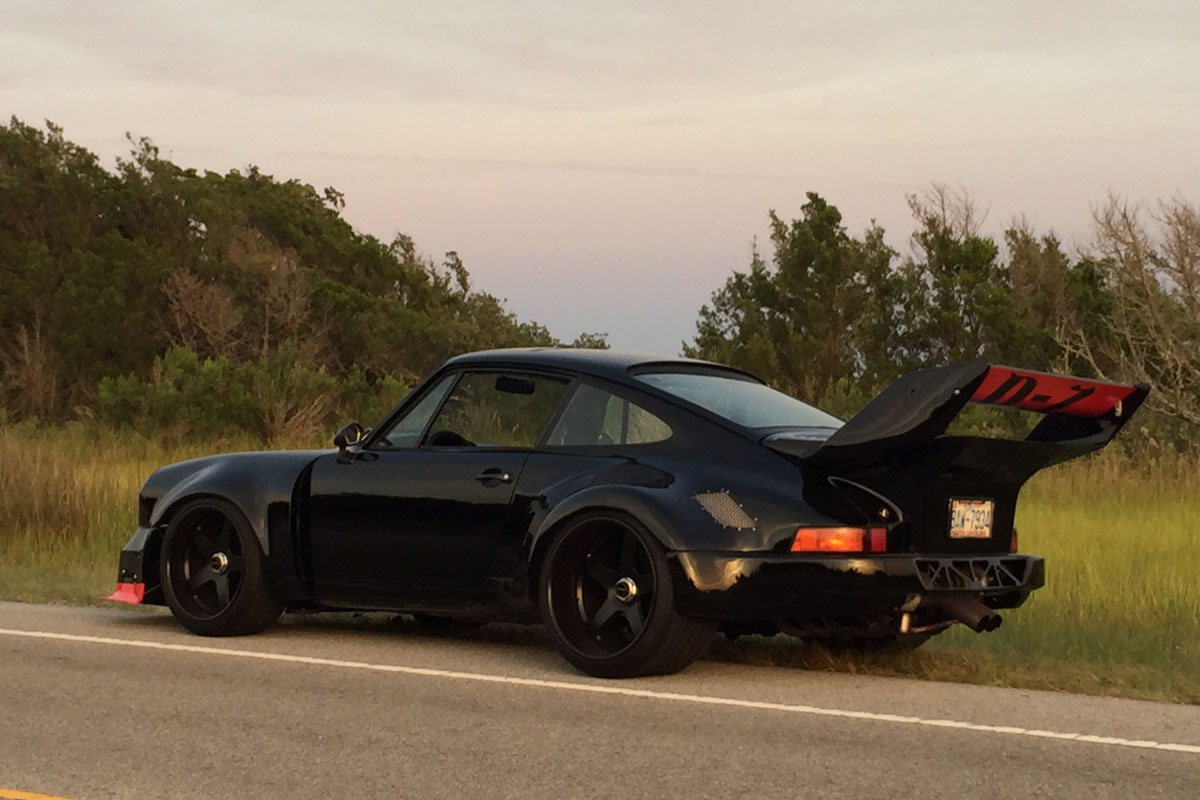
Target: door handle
(494,475)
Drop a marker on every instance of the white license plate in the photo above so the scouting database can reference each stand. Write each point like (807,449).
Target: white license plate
(971,519)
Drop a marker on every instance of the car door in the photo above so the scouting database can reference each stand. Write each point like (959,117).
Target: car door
(421,509)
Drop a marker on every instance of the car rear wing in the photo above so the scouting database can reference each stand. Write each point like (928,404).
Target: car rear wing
(1081,414)
(894,463)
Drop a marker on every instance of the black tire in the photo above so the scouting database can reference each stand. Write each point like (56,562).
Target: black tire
(607,599)
(212,571)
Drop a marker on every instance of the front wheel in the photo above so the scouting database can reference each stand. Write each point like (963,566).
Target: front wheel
(606,597)
(212,571)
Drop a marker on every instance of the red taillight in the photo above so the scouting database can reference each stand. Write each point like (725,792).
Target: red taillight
(1012,543)
(878,540)
(840,540)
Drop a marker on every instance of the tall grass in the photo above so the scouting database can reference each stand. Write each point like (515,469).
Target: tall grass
(1120,612)
(68,502)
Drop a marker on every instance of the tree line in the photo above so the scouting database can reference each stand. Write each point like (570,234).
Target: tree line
(196,303)
(170,298)
(832,317)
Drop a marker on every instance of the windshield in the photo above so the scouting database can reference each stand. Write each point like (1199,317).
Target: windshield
(741,400)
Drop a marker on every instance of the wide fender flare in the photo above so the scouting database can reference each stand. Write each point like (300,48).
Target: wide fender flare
(246,484)
(661,511)
(679,521)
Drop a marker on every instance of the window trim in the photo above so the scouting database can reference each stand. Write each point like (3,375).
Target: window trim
(717,370)
(573,384)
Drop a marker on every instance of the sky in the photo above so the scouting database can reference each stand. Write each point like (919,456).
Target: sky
(605,166)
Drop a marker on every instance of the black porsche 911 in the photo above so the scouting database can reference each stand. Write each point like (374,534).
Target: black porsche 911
(636,504)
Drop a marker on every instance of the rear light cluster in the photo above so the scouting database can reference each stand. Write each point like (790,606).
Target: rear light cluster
(840,540)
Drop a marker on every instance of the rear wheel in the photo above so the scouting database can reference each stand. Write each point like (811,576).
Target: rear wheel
(212,571)
(607,599)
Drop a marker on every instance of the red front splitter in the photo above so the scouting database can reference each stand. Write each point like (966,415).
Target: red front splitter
(131,593)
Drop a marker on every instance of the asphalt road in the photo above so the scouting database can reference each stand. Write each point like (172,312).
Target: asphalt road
(113,703)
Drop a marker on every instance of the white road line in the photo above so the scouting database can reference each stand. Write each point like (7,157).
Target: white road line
(610,689)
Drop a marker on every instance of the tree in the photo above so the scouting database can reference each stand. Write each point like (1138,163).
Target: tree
(591,341)
(68,279)
(1150,276)
(823,309)
(962,294)
(101,273)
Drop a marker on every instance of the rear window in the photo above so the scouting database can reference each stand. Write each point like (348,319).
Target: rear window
(741,400)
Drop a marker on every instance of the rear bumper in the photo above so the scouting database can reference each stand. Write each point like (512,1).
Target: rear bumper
(739,586)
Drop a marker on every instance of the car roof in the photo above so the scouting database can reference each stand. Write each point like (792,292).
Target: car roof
(611,364)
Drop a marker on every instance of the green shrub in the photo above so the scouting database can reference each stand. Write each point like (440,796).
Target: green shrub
(366,403)
(184,395)
(279,399)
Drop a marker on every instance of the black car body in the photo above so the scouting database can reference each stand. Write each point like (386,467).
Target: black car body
(635,502)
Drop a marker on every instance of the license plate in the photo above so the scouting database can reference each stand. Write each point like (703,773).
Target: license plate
(971,519)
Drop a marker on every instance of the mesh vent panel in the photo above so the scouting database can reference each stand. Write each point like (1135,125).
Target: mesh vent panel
(725,510)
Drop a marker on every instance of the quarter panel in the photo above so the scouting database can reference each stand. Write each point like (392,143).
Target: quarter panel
(659,484)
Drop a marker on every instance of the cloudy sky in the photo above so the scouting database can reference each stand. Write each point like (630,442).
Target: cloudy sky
(603,166)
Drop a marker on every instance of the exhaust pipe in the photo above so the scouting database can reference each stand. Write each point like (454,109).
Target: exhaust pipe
(969,611)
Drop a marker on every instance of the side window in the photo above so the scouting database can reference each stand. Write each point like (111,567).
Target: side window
(407,430)
(596,417)
(642,427)
(490,409)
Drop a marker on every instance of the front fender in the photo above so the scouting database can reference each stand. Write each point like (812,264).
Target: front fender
(260,484)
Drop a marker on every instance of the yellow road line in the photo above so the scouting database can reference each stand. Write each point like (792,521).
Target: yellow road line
(17,794)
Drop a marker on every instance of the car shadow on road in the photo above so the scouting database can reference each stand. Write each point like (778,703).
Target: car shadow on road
(780,652)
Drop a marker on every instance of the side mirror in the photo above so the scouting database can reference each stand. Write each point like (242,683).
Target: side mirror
(350,434)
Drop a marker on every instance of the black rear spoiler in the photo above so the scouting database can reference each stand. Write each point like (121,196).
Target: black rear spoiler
(1081,415)
(894,462)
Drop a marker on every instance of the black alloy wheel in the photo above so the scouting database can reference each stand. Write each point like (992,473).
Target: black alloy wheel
(210,565)
(606,597)
(212,571)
